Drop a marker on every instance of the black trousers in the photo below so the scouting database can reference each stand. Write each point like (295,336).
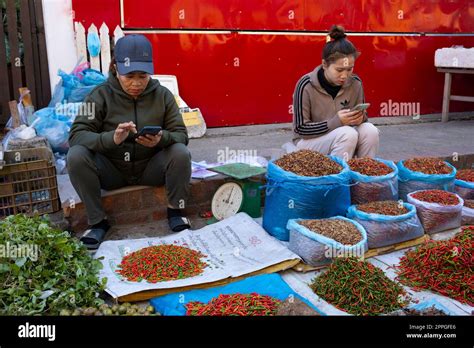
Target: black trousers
(90,172)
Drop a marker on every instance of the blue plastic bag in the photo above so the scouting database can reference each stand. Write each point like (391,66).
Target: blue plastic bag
(367,188)
(318,250)
(93,44)
(91,77)
(383,230)
(265,284)
(410,181)
(291,196)
(465,189)
(73,88)
(55,123)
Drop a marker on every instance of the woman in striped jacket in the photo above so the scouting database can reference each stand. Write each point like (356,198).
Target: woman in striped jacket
(322,120)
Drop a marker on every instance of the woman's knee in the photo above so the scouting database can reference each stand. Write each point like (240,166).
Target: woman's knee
(179,154)
(368,133)
(349,134)
(77,156)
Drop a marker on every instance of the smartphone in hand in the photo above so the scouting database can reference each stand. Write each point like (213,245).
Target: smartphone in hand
(361,107)
(152,130)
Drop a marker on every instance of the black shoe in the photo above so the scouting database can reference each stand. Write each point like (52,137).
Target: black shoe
(94,236)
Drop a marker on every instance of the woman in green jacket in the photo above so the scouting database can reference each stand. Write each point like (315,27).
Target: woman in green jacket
(104,152)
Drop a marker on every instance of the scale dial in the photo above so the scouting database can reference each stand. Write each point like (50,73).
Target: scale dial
(227,200)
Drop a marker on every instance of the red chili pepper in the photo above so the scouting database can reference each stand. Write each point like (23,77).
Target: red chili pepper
(162,263)
(237,304)
(432,267)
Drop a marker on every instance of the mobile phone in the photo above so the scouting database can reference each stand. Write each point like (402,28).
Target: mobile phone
(360,107)
(153,130)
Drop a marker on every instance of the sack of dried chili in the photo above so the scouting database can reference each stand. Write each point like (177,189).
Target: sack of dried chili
(468,212)
(370,188)
(439,216)
(464,183)
(292,196)
(317,249)
(410,180)
(383,230)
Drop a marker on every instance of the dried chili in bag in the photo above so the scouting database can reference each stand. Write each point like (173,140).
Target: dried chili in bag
(292,196)
(464,187)
(383,230)
(367,188)
(436,217)
(318,250)
(410,181)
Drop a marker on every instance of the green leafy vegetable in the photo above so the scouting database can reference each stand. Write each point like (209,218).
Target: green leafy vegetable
(43,270)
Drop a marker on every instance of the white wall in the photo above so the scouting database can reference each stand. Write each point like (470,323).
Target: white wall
(59,31)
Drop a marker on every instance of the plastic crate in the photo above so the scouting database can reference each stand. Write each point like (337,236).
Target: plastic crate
(28,183)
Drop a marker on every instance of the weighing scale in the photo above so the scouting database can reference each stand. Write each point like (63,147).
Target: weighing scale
(241,194)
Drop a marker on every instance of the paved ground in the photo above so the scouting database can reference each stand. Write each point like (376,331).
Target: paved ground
(398,139)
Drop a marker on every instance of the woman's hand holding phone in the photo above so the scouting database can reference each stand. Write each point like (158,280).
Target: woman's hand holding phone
(350,118)
(149,140)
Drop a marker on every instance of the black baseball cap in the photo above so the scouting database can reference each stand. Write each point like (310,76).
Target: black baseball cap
(133,53)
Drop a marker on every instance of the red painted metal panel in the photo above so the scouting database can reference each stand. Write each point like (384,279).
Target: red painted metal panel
(97,11)
(178,14)
(272,15)
(249,79)
(441,16)
(215,14)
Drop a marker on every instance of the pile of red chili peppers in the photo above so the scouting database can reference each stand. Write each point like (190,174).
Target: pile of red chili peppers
(358,287)
(427,165)
(162,263)
(436,196)
(235,305)
(445,267)
(369,166)
(465,175)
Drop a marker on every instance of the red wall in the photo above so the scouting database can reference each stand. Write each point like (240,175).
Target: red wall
(238,79)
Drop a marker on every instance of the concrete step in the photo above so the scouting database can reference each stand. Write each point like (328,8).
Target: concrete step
(135,205)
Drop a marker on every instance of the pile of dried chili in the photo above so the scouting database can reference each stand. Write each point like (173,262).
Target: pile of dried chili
(438,210)
(358,287)
(437,196)
(308,163)
(446,267)
(340,230)
(369,166)
(392,208)
(427,165)
(465,175)
(162,263)
(469,203)
(235,305)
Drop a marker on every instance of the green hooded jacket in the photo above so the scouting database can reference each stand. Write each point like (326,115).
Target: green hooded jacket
(108,105)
